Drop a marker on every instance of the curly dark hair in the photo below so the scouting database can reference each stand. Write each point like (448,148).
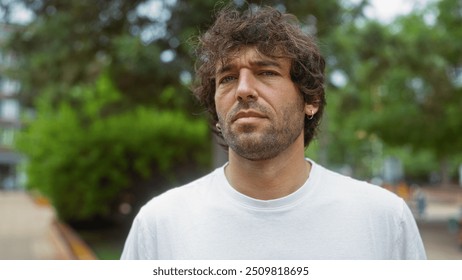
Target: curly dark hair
(273,34)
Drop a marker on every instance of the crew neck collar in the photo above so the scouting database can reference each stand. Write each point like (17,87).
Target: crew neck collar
(272,204)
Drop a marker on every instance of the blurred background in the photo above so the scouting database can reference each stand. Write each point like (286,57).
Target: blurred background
(96,116)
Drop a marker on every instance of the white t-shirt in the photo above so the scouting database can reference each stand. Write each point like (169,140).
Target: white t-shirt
(330,217)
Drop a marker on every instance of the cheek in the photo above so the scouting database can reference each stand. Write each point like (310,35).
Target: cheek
(221,113)
(222,105)
(218,104)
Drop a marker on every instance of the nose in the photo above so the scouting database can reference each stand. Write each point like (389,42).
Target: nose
(246,87)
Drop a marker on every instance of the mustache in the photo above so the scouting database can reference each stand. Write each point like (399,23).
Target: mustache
(248,106)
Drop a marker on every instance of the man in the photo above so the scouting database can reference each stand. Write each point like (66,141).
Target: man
(261,78)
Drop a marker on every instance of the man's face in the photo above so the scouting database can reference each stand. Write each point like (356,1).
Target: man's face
(260,109)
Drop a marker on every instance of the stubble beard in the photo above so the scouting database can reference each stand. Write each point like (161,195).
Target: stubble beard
(262,143)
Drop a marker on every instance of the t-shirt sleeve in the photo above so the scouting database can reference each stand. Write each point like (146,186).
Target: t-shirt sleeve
(140,243)
(410,242)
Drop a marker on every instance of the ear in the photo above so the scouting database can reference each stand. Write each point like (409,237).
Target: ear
(311,109)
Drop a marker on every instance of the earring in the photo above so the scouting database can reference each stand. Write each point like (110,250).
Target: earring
(311,116)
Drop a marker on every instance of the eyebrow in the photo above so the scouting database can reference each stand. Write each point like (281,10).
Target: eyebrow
(259,63)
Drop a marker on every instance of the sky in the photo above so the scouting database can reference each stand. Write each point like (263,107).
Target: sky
(19,14)
(387,10)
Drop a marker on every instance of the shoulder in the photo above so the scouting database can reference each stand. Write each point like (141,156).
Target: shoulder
(156,216)
(350,190)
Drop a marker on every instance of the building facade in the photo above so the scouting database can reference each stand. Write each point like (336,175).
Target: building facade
(9,116)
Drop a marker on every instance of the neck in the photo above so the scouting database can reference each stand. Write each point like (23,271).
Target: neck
(271,178)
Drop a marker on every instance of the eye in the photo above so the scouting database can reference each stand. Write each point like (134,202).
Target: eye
(227,79)
(268,73)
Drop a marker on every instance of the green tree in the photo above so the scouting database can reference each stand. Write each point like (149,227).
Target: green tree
(121,135)
(71,42)
(143,43)
(404,81)
(85,163)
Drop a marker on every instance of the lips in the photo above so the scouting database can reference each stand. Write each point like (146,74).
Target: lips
(247,114)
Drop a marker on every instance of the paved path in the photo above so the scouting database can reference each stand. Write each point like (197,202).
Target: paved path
(440,243)
(440,238)
(30,231)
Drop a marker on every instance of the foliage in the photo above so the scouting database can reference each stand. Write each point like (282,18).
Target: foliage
(82,160)
(127,131)
(76,40)
(402,85)
(145,44)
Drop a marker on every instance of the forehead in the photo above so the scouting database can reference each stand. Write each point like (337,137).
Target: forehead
(250,57)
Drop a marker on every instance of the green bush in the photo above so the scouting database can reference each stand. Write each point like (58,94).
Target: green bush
(82,157)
